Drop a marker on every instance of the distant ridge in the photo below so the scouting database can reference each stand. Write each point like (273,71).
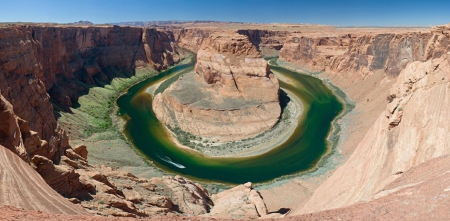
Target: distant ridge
(170,22)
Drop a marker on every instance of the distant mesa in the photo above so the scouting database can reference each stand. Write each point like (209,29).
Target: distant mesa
(170,22)
(231,95)
(81,22)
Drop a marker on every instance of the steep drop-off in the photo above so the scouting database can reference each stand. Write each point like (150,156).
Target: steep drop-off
(268,42)
(391,166)
(40,65)
(231,96)
(45,67)
(410,131)
(191,39)
(363,53)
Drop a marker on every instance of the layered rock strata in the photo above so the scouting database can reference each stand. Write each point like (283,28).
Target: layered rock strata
(44,66)
(231,96)
(268,42)
(40,64)
(409,132)
(363,53)
(191,39)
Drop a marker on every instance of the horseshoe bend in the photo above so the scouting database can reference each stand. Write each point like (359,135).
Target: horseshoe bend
(206,120)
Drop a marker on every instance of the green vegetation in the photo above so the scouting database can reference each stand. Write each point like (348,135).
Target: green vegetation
(93,114)
(164,85)
(94,111)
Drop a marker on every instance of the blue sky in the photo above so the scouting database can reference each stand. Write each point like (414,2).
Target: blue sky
(330,12)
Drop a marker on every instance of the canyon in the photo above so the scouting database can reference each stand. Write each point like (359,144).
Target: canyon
(393,146)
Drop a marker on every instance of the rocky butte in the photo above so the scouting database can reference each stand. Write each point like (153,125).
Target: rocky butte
(231,95)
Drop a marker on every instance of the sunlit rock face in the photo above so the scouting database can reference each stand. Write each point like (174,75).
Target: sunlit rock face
(231,95)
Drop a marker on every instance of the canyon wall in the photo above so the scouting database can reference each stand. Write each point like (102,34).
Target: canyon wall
(43,65)
(231,96)
(410,131)
(357,53)
(191,39)
(102,190)
(268,42)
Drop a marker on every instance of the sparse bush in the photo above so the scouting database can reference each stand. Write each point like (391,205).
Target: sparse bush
(390,97)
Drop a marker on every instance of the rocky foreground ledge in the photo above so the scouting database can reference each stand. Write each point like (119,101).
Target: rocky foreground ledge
(231,96)
(102,190)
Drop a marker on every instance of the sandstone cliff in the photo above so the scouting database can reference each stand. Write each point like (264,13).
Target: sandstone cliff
(43,65)
(191,39)
(411,131)
(20,184)
(421,193)
(232,95)
(101,190)
(268,42)
(23,187)
(357,53)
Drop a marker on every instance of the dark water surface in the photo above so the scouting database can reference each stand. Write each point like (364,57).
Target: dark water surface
(299,153)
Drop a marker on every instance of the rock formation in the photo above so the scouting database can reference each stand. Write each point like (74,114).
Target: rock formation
(420,193)
(408,133)
(240,202)
(191,39)
(102,190)
(268,42)
(23,187)
(39,64)
(231,96)
(356,52)
(401,164)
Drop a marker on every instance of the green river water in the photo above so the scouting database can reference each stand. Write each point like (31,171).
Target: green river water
(300,152)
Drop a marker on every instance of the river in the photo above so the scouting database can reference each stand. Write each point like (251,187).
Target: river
(301,152)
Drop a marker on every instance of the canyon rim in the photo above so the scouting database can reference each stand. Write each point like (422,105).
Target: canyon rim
(219,91)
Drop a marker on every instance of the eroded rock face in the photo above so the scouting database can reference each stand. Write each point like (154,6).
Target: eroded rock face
(356,53)
(409,132)
(268,42)
(231,96)
(191,39)
(100,189)
(39,63)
